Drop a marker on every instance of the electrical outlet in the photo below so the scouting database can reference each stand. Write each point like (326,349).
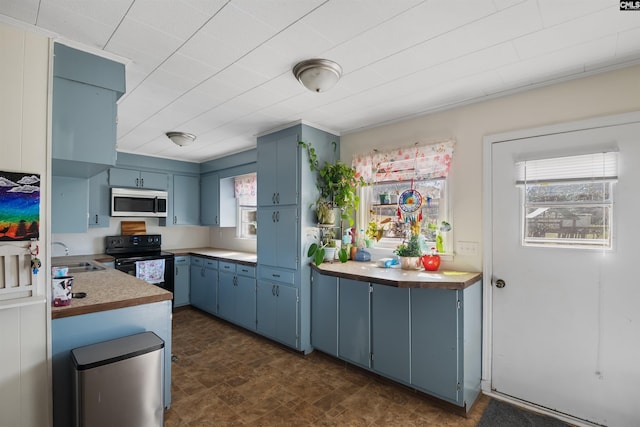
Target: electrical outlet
(468,248)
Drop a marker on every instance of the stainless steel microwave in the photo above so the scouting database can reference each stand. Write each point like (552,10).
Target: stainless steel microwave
(135,202)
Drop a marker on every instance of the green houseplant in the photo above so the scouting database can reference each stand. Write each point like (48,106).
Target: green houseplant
(410,253)
(337,183)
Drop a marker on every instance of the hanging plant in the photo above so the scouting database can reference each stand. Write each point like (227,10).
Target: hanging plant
(337,183)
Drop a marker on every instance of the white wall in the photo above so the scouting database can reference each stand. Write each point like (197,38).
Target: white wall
(92,242)
(608,93)
(25,384)
(225,237)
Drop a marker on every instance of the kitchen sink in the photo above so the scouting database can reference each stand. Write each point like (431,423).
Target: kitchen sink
(81,267)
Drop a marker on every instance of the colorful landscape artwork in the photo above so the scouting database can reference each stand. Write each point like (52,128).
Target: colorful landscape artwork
(19,206)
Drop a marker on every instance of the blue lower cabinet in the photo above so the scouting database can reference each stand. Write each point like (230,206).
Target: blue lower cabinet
(237,294)
(435,350)
(390,331)
(245,302)
(354,320)
(277,311)
(204,284)
(181,281)
(324,313)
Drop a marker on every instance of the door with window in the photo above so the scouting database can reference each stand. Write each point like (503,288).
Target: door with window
(564,287)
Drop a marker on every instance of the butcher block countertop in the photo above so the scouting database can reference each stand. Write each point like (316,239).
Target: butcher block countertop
(106,289)
(369,272)
(246,258)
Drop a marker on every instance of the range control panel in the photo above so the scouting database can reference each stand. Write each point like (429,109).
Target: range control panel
(132,243)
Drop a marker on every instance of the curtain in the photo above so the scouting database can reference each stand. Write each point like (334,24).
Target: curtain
(245,189)
(419,162)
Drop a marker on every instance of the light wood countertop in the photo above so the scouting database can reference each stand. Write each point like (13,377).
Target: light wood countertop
(246,258)
(106,289)
(369,272)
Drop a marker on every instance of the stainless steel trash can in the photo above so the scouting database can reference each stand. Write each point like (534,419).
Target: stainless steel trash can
(119,382)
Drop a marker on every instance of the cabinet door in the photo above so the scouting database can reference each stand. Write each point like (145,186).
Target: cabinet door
(181,281)
(278,236)
(124,177)
(287,315)
(69,204)
(267,166)
(435,355)
(186,200)
(99,200)
(83,122)
(390,331)
(288,237)
(287,173)
(209,196)
(354,322)
(324,313)
(266,308)
(226,295)
(154,180)
(278,169)
(204,283)
(245,302)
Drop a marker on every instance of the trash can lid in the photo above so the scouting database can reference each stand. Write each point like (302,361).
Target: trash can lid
(106,352)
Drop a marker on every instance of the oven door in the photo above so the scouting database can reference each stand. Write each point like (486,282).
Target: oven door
(129,265)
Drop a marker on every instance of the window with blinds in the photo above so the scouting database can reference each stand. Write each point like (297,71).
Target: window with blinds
(568,201)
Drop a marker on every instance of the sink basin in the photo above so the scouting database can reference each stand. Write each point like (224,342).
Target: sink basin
(81,267)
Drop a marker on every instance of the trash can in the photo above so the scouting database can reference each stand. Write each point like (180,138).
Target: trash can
(119,382)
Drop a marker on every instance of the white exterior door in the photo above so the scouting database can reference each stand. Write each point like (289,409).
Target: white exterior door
(565,327)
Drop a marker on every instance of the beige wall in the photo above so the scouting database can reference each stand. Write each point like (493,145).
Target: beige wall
(24,74)
(600,95)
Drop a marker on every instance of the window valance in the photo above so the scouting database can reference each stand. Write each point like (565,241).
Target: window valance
(245,189)
(419,162)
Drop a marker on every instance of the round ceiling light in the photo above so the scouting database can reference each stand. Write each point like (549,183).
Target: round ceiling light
(317,75)
(181,138)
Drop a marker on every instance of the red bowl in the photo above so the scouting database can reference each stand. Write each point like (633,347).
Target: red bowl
(431,262)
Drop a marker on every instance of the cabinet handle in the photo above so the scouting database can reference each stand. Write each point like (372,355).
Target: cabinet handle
(273,198)
(141,182)
(273,217)
(137,182)
(216,219)
(277,290)
(96,218)
(275,275)
(278,216)
(277,198)
(175,219)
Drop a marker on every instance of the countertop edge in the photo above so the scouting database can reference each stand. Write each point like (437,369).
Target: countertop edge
(452,284)
(113,305)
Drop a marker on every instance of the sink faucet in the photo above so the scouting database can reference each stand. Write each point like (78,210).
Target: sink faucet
(66,248)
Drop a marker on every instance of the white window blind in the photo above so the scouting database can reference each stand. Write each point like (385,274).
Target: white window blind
(600,166)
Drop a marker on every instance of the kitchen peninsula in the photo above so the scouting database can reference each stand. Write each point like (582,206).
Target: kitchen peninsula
(115,305)
(420,329)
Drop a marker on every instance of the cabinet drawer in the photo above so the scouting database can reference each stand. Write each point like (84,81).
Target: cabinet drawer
(246,270)
(211,263)
(227,266)
(181,260)
(278,275)
(197,261)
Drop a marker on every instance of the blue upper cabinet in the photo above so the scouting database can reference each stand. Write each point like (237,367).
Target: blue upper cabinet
(209,199)
(138,179)
(186,200)
(85,90)
(278,168)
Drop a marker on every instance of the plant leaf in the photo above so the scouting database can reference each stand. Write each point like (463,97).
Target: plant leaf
(312,249)
(319,256)
(342,255)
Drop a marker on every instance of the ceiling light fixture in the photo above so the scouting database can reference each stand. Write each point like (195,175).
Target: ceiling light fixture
(317,75)
(181,138)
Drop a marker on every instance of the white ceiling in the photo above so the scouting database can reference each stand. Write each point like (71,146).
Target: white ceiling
(221,69)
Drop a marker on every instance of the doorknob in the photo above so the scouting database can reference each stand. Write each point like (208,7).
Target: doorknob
(500,283)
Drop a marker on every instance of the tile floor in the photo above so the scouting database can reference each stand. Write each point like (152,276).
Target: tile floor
(226,376)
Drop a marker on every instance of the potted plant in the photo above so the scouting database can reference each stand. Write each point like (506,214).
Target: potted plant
(337,183)
(325,249)
(410,253)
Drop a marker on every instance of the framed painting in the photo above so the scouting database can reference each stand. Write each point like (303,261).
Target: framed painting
(19,206)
